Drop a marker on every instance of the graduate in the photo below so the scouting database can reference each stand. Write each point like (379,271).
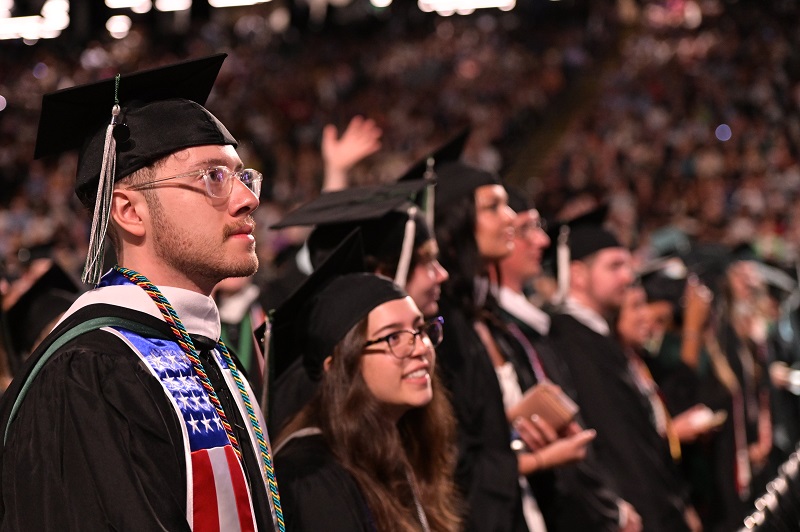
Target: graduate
(131,415)
(579,495)
(398,242)
(373,450)
(594,272)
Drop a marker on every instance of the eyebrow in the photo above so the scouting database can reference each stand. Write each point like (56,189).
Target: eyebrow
(207,163)
(399,326)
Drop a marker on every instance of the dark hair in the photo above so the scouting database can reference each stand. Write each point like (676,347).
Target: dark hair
(376,452)
(459,254)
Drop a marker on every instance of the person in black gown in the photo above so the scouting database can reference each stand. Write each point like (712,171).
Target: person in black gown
(577,497)
(374,449)
(131,415)
(636,458)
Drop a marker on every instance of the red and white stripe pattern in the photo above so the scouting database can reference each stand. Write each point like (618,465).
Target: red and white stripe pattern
(228,506)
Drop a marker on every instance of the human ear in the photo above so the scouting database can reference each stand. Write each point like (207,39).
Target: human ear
(129,210)
(326,364)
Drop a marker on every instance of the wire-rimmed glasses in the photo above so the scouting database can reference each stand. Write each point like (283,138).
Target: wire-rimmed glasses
(218,180)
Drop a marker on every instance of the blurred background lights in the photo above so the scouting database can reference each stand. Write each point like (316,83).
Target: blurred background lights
(280,19)
(118,26)
(122,4)
(142,6)
(723,132)
(173,5)
(381,3)
(40,71)
(3,102)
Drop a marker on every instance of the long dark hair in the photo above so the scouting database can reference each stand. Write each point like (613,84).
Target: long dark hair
(458,253)
(378,453)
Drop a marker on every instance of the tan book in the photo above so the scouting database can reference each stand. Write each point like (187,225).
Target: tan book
(549,402)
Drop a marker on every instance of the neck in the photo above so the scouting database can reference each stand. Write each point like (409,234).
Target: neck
(512,282)
(584,300)
(161,274)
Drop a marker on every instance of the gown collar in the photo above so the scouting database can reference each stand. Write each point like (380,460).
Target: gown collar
(586,316)
(198,313)
(521,308)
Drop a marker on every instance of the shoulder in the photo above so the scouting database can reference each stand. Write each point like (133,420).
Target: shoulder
(317,492)
(304,457)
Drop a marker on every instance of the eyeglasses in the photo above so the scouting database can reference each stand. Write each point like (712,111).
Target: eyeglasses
(218,180)
(530,226)
(402,343)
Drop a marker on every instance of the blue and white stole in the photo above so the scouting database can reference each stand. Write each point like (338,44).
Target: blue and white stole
(217,494)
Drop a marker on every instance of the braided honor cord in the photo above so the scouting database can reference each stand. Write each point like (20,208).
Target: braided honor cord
(187,346)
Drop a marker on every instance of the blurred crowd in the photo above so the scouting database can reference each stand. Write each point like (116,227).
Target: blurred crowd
(420,81)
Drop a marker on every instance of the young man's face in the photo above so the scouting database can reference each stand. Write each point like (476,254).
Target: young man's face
(607,277)
(425,281)
(530,241)
(198,237)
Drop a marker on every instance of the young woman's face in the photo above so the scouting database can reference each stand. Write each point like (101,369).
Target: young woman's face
(399,384)
(494,222)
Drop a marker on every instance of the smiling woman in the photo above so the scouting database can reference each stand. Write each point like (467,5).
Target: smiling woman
(373,450)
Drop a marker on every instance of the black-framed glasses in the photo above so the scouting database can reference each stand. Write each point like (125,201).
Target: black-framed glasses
(218,180)
(402,343)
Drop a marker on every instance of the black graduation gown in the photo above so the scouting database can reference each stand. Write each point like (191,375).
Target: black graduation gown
(635,457)
(317,493)
(487,472)
(291,391)
(582,498)
(96,444)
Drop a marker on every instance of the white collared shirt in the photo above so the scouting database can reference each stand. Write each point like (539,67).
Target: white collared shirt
(586,316)
(520,306)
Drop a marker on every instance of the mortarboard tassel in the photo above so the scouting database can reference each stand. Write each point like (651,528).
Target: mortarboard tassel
(562,263)
(403,265)
(429,193)
(265,387)
(93,268)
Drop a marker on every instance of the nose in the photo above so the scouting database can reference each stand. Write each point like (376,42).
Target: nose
(509,213)
(440,273)
(242,200)
(421,345)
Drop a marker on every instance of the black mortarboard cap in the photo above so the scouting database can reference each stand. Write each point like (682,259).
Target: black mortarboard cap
(664,279)
(577,239)
(447,153)
(333,299)
(586,234)
(47,298)
(161,109)
(427,167)
(123,124)
(384,213)
(353,204)
(455,180)
(518,200)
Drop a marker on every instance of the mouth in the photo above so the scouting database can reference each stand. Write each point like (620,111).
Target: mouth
(419,373)
(245,229)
